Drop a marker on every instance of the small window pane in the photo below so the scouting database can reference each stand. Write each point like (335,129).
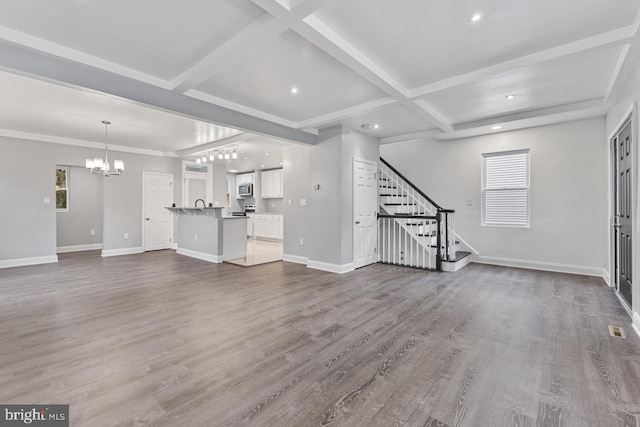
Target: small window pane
(505,189)
(61,199)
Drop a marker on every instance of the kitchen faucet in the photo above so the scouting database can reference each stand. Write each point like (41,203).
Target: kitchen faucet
(204,205)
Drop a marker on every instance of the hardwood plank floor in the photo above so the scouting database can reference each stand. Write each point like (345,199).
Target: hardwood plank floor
(161,339)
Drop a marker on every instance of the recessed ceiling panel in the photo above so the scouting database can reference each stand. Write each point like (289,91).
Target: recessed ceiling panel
(571,79)
(34,106)
(265,77)
(420,42)
(393,120)
(160,38)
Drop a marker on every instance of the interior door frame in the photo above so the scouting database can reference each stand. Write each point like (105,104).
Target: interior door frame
(353,208)
(173,242)
(208,178)
(630,114)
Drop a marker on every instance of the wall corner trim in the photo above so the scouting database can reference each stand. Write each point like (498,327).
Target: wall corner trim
(122,251)
(200,255)
(78,248)
(636,323)
(544,266)
(295,259)
(606,277)
(19,262)
(331,268)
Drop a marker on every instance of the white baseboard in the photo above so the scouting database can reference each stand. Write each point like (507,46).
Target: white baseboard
(19,262)
(123,251)
(607,278)
(544,266)
(331,268)
(78,248)
(296,259)
(636,323)
(174,246)
(200,255)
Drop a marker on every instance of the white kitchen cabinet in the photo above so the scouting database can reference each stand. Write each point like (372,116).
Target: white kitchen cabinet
(244,178)
(272,185)
(268,226)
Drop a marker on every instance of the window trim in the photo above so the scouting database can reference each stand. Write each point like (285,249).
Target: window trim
(483,190)
(66,169)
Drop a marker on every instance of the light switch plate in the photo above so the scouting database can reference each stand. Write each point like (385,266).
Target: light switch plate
(126,236)
(92,232)
(303,202)
(46,200)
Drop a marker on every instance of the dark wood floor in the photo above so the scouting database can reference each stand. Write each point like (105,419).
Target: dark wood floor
(161,339)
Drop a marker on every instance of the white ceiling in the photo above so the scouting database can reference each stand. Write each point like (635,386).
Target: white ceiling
(254,153)
(413,67)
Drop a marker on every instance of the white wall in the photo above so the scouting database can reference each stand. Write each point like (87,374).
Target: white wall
(568,193)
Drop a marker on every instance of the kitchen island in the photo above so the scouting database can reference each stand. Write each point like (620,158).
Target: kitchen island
(205,234)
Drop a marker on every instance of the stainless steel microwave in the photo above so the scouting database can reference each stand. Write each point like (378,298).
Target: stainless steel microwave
(245,190)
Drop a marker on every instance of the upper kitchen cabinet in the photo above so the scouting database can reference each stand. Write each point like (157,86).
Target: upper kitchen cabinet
(272,184)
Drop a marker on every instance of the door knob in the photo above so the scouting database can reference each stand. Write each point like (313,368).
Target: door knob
(147,219)
(357,222)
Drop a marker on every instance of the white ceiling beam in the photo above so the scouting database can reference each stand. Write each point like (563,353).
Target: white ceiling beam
(411,136)
(214,144)
(50,48)
(325,38)
(335,116)
(625,65)
(543,117)
(239,108)
(276,21)
(616,37)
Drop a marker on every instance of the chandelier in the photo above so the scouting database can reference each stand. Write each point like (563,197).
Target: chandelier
(98,165)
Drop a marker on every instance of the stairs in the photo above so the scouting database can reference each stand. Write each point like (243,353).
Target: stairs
(414,231)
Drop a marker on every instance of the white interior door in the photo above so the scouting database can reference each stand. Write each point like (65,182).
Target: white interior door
(158,227)
(365,205)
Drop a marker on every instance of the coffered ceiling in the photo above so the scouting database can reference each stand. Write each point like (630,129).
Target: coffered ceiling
(288,68)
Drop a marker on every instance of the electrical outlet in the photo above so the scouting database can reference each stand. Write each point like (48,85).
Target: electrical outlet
(470,201)
(126,236)
(195,237)
(92,232)
(301,241)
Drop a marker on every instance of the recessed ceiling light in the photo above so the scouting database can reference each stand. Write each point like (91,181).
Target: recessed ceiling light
(376,126)
(496,127)
(510,97)
(280,163)
(246,158)
(294,90)
(266,154)
(233,170)
(476,17)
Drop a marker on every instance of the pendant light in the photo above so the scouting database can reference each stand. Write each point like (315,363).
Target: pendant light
(98,165)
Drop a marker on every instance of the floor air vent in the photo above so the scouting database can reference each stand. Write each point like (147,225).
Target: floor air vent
(617,331)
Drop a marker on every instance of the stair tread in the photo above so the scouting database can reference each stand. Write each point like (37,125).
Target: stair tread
(399,204)
(459,255)
(393,195)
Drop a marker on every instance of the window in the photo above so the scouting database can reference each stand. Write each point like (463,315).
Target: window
(505,188)
(62,189)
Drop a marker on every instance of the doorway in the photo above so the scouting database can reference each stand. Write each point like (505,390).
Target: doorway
(623,183)
(365,207)
(157,194)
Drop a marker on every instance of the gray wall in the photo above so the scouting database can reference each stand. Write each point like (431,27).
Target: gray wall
(27,175)
(568,190)
(630,95)
(219,184)
(296,186)
(85,210)
(331,207)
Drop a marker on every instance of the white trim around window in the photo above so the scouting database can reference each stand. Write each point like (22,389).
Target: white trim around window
(506,189)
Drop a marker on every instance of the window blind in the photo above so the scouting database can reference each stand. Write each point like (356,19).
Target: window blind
(505,188)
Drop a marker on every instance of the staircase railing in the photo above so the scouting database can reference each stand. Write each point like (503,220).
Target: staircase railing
(410,222)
